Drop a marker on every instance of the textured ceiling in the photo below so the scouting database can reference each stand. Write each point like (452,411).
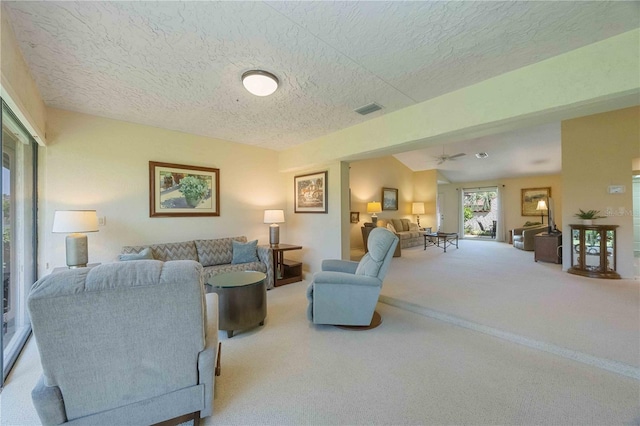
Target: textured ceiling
(177,65)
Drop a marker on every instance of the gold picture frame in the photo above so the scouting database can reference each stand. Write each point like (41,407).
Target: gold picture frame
(178,190)
(530,198)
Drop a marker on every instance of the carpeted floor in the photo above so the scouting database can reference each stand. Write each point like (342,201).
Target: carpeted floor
(422,368)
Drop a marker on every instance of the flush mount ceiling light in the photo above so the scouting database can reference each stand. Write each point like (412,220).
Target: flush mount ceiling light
(260,83)
(482,155)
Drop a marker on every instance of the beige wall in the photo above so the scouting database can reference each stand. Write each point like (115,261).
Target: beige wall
(366,180)
(598,151)
(19,90)
(321,235)
(102,164)
(511,199)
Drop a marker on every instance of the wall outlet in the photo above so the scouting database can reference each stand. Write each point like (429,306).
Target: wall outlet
(616,189)
(102,221)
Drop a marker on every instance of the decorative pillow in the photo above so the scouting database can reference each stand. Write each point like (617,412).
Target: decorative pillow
(144,254)
(244,252)
(413,227)
(397,224)
(405,224)
(391,228)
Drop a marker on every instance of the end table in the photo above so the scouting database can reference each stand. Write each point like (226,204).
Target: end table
(287,271)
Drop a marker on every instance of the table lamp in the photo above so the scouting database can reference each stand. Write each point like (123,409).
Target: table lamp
(75,223)
(274,217)
(542,206)
(417,209)
(374,208)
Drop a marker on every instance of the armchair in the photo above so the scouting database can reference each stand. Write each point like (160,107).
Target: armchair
(523,237)
(124,343)
(346,293)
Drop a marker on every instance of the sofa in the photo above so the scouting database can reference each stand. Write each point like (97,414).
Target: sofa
(125,343)
(408,232)
(215,255)
(522,238)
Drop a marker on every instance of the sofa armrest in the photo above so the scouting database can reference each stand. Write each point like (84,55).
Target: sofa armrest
(265,254)
(49,403)
(207,357)
(332,277)
(337,265)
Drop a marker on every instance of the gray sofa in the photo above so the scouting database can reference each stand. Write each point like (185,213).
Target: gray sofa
(124,343)
(522,238)
(215,255)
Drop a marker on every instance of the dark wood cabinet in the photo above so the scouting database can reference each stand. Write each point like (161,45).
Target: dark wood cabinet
(548,247)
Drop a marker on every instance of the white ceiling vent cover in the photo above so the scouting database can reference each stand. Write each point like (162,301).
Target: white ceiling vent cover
(368,109)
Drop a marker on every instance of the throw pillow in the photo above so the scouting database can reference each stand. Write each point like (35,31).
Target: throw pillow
(144,254)
(405,224)
(413,227)
(397,224)
(244,252)
(391,228)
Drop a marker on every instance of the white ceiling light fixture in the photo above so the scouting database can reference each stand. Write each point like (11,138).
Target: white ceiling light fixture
(482,155)
(260,83)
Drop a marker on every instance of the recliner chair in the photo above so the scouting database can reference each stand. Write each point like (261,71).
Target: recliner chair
(126,343)
(345,292)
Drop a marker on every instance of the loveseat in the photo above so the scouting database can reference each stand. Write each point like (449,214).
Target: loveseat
(408,232)
(216,255)
(523,237)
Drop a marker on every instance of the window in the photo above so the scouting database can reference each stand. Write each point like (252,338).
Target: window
(17,181)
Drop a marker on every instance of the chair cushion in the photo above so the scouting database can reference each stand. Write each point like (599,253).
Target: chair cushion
(244,252)
(217,251)
(380,239)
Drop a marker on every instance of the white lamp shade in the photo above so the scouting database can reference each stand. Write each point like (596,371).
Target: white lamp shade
(259,83)
(374,207)
(274,216)
(75,221)
(417,208)
(542,205)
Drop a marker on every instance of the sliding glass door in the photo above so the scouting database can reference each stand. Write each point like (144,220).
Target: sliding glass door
(18,183)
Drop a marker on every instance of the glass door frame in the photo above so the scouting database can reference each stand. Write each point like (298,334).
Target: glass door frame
(20,339)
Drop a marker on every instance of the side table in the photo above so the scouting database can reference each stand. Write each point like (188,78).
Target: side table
(242,299)
(287,271)
(548,247)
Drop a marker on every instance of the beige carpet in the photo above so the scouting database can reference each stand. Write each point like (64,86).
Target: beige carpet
(419,370)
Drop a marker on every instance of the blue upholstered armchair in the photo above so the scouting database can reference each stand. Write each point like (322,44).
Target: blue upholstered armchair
(346,293)
(127,343)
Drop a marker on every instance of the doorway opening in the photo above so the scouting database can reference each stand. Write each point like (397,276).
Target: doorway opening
(480,210)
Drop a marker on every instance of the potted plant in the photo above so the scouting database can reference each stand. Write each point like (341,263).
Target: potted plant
(193,189)
(588,216)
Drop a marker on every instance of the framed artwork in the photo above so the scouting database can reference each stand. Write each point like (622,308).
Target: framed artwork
(355,217)
(179,190)
(530,198)
(310,193)
(389,199)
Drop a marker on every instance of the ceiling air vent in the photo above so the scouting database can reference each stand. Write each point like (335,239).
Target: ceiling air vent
(368,109)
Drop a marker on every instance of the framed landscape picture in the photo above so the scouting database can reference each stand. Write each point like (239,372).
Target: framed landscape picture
(310,193)
(530,198)
(389,199)
(179,190)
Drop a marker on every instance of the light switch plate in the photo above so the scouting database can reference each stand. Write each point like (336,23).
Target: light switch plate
(616,189)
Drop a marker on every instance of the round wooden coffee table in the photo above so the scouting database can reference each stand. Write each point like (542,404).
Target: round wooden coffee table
(242,299)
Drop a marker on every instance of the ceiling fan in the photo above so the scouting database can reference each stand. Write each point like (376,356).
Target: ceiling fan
(444,157)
